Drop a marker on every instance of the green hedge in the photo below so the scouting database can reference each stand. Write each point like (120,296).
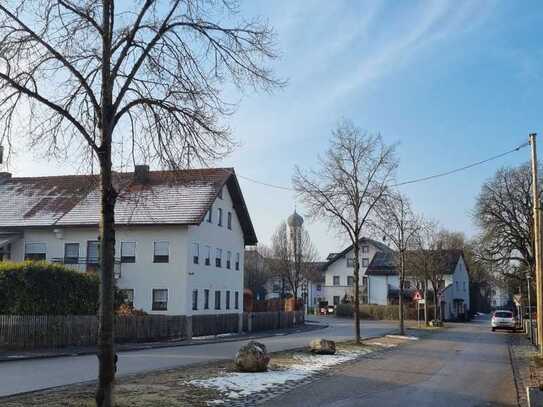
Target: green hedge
(42,288)
(389,312)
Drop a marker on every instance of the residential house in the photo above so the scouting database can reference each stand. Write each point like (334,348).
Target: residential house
(455,286)
(180,235)
(339,277)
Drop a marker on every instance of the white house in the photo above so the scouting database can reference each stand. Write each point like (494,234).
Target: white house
(339,278)
(455,294)
(180,235)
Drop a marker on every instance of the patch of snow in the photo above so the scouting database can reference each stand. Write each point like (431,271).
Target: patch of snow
(383,345)
(409,338)
(238,385)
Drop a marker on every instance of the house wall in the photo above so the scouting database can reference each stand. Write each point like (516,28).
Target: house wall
(378,288)
(340,268)
(457,287)
(179,276)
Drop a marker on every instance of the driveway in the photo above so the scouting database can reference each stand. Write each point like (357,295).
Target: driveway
(30,375)
(464,365)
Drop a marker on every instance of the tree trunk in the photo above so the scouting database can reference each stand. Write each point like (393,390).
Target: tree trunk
(426,303)
(356,292)
(400,298)
(106,351)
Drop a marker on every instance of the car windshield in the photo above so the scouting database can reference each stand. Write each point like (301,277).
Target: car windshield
(503,314)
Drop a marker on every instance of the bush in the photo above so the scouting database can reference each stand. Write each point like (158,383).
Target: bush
(372,311)
(42,288)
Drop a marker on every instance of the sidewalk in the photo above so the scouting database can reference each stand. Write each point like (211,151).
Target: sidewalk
(526,372)
(10,356)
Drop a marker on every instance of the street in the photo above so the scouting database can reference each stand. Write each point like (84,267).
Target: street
(464,365)
(29,375)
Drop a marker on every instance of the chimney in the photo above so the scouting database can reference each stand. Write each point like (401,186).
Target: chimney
(141,173)
(4,176)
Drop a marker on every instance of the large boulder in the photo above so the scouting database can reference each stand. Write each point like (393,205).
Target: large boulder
(252,357)
(322,346)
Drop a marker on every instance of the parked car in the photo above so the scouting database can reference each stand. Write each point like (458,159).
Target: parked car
(503,319)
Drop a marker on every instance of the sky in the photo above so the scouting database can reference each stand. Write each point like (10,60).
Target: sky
(452,82)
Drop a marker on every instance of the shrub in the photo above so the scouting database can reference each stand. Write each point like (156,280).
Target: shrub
(373,311)
(42,288)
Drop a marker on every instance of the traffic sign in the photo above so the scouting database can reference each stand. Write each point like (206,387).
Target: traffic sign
(417,296)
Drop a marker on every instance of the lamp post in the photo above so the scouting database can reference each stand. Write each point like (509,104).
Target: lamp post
(529,283)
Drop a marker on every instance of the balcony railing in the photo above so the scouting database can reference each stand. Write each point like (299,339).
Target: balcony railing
(87,264)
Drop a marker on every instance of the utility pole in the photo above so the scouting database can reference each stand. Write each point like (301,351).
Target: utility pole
(537,244)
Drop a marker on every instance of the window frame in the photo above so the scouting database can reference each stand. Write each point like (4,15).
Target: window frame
(206,298)
(229,220)
(195,300)
(365,249)
(129,303)
(129,257)
(228,259)
(160,258)
(219,214)
(93,260)
(207,259)
(154,306)
(218,257)
(71,259)
(350,262)
(236,300)
(218,297)
(26,254)
(238,260)
(210,215)
(219,194)
(351,280)
(365,261)
(334,302)
(195,257)
(227,300)
(334,279)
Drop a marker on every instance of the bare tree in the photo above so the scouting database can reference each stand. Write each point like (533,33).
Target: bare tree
(82,71)
(256,271)
(293,258)
(504,213)
(397,223)
(351,180)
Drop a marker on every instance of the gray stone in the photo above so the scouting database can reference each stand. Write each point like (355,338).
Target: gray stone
(535,396)
(322,346)
(252,357)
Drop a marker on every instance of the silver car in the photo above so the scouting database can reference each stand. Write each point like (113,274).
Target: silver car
(503,319)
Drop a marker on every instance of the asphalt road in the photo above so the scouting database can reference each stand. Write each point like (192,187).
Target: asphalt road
(30,375)
(465,365)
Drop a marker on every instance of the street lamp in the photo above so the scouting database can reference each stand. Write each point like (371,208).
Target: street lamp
(528,281)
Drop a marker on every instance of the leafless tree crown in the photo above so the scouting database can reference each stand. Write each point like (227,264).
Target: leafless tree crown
(168,62)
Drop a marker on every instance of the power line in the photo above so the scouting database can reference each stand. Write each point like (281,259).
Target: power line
(413,181)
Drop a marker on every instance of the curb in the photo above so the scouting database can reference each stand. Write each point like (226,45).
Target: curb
(159,345)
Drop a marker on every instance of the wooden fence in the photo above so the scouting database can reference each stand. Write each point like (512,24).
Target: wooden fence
(55,331)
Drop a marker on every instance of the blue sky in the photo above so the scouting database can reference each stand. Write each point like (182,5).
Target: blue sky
(451,82)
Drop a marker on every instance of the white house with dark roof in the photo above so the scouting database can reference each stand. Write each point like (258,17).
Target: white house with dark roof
(180,236)
(454,288)
(339,269)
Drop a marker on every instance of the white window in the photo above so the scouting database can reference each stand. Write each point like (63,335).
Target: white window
(71,253)
(365,262)
(160,299)
(229,220)
(219,214)
(206,299)
(195,253)
(365,249)
(350,281)
(228,259)
(35,251)
(336,300)
(194,300)
(350,262)
(207,253)
(210,214)
(128,296)
(93,251)
(161,252)
(218,257)
(128,252)
(336,280)
(237,261)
